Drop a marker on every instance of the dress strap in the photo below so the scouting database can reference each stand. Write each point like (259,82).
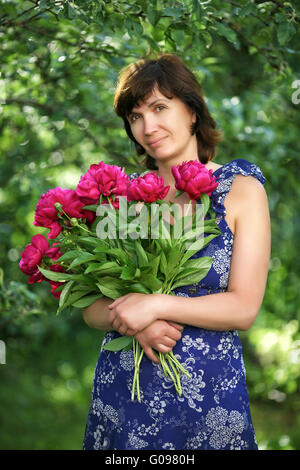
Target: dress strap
(225,176)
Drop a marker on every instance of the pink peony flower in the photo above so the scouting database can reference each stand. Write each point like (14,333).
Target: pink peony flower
(46,213)
(32,255)
(147,188)
(194,178)
(102,179)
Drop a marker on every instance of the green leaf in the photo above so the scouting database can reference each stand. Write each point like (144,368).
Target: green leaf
(247,9)
(154,265)
(196,5)
(205,201)
(197,276)
(93,267)
(207,38)
(151,282)
(175,13)
(86,301)
(111,287)
(72,254)
(102,246)
(141,254)
(65,294)
(78,295)
(185,272)
(118,344)
(134,27)
(128,273)
(71,12)
(285,32)
(59,277)
(173,258)
(128,347)
(116,253)
(90,240)
(163,263)
(109,267)
(225,31)
(83,258)
(138,287)
(197,246)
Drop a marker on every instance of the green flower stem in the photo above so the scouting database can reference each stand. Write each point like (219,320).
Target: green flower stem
(134,344)
(177,375)
(170,366)
(169,372)
(138,355)
(83,228)
(162,363)
(173,358)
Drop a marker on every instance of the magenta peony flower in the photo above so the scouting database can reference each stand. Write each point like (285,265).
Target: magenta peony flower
(54,252)
(88,187)
(32,255)
(194,178)
(147,188)
(102,179)
(46,213)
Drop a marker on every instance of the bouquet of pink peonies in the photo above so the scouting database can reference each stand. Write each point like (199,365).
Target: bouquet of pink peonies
(111,239)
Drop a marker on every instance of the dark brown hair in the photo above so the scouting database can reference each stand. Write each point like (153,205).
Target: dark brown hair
(173,78)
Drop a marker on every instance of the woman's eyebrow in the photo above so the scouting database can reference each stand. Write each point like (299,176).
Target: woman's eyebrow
(150,104)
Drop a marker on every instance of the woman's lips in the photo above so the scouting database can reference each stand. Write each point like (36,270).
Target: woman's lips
(156,142)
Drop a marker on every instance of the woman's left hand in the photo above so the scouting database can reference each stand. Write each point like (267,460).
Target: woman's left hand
(133,312)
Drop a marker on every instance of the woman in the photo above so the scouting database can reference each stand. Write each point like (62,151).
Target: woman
(165,115)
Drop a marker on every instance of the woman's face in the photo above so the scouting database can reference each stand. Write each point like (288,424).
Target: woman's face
(162,126)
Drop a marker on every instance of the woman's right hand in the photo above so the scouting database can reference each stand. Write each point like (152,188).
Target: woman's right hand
(161,335)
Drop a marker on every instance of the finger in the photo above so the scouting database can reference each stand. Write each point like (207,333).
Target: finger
(123,330)
(172,333)
(151,355)
(111,317)
(163,348)
(117,301)
(116,324)
(175,335)
(169,342)
(176,325)
(131,332)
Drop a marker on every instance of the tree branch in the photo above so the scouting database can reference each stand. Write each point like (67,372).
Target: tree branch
(262,51)
(52,109)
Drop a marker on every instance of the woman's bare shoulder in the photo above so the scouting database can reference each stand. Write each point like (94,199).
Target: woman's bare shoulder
(213,166)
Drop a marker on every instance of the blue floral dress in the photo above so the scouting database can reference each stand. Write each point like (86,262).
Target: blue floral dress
(213,410)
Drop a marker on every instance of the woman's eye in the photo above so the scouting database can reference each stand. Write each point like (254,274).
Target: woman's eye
(134,117)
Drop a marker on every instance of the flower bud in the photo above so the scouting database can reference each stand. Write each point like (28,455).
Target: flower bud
(74,222)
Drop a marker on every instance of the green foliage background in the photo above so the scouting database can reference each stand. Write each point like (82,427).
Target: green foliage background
(59,65)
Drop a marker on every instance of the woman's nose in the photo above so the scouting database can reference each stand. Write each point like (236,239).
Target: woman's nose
(150,125)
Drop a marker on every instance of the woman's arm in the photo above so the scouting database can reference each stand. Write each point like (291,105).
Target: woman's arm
(238,307)
(97,314)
